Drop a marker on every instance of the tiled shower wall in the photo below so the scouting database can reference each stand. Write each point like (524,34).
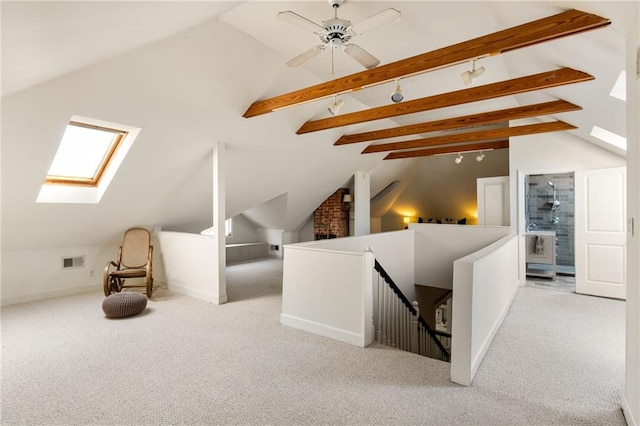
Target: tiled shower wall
(538,211)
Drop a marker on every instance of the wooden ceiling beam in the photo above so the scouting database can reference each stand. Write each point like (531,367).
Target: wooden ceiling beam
(481,135)
(449,150)
(485,118)
(560,25)
(515,86)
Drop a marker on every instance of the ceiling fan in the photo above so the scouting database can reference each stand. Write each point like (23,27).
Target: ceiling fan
(336,32)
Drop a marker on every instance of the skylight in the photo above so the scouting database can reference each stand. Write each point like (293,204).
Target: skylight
(83,154)
(86,161)
(620,87)
(609,137)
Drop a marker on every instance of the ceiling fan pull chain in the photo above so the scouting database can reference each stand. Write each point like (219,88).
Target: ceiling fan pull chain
(332,49)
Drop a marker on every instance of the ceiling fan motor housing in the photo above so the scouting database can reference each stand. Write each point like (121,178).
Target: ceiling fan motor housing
(335,29)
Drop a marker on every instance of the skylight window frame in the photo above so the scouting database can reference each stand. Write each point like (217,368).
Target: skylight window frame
(119,136)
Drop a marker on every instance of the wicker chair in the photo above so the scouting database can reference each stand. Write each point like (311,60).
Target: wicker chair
(134,261)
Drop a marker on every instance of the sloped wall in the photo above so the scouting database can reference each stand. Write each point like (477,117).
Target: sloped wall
(443,189)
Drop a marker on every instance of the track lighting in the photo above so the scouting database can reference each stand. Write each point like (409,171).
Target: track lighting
(469,76)
(480,157)
(397,95)
(458,159)
(334,108)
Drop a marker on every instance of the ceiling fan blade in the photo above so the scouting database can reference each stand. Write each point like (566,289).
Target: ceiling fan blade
(365,58)
(387,16)
(300,21)
(304,57)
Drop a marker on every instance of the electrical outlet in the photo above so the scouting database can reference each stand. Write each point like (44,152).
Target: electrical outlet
(92,273)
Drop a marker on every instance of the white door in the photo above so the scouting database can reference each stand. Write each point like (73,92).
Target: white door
(600,239)
(493,201)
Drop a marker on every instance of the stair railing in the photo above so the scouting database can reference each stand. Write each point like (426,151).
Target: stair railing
(399,324)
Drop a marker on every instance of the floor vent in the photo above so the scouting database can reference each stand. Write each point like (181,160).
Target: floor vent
(73,262)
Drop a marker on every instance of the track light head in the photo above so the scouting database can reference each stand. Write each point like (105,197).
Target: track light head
(397,95)
(334,108)
(458,159)
(469,76)
(480,157)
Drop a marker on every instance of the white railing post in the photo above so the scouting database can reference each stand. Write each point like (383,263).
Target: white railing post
(368,297)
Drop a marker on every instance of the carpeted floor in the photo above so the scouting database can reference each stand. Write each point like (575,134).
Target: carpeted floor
(557,360)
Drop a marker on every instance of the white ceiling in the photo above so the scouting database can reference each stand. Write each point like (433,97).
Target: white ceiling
(58,56)
(43,40)
(429,25)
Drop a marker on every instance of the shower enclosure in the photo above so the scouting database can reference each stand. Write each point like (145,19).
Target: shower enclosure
(549,206)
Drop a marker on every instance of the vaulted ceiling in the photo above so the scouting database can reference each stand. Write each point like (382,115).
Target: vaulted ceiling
(187,72)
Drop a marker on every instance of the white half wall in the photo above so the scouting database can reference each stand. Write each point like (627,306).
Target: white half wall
(190,265)
(329,293)
(393,250)
(438,246)
(484,285)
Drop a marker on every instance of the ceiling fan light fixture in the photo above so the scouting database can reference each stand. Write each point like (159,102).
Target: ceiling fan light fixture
(335,106)
(458,159)
(397,95)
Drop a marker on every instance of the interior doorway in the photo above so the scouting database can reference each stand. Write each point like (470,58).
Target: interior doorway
(549,216)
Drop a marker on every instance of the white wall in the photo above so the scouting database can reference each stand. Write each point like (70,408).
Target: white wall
(393,250)
(631,396)
(289,238)
(273,237)
(243,231)
(189,263)
(29,275)
(485,283)
(437,246)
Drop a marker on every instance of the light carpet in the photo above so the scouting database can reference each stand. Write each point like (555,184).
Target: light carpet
(557,360)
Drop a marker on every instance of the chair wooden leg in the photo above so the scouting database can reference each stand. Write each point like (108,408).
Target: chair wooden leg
(149,282)
(106,285)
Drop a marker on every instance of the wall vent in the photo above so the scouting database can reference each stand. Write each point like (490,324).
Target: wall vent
(73,262)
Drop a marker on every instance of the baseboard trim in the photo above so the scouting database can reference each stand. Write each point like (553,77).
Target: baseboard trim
(626,410)
(323,330)
(197,294)
(34,297)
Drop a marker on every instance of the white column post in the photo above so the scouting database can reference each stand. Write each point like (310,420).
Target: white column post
(631,395)
(362,203)
(219,208)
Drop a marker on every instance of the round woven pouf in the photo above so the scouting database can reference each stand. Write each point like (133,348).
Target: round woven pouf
(120,305)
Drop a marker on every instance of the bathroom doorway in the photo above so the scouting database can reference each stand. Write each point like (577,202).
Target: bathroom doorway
(549,205)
